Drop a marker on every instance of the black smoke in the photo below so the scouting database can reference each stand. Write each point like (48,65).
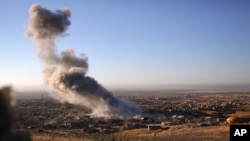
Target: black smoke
(65,74)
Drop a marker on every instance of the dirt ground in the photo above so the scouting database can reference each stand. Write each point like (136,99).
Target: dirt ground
(175,133)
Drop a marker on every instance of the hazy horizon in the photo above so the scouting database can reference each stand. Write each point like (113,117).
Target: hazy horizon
(138,44)
(166,88)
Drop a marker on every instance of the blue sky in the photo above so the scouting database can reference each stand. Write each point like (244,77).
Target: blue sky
(137,42)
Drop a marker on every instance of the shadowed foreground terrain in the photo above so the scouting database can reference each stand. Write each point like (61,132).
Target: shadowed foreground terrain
(178,133)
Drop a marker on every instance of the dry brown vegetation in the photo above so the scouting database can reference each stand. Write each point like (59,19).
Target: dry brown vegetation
(176,133)
(182,132)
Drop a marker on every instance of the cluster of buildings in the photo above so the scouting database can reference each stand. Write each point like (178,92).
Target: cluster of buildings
(159,113)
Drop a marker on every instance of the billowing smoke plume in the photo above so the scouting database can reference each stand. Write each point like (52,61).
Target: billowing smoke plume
(65,74)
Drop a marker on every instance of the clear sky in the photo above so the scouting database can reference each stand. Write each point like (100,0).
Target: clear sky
(137,42)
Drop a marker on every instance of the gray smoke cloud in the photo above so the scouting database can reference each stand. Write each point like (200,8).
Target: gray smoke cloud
(65,74)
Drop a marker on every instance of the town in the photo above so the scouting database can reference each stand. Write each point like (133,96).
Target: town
(44,114)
